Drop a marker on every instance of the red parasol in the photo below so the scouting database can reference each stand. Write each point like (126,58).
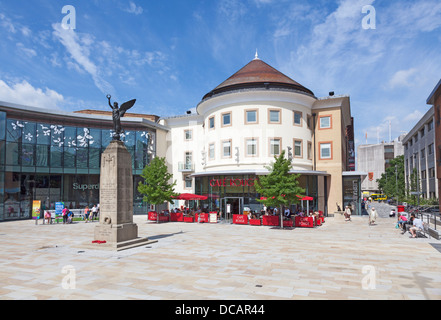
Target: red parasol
(189,196)
(306,198)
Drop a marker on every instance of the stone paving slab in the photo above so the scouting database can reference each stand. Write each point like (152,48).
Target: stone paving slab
(339,260)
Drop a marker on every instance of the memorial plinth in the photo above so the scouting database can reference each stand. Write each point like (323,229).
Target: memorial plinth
(116,227)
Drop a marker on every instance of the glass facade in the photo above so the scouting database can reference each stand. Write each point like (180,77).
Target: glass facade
(52,162)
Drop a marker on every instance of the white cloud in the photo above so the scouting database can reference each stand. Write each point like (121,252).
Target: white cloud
(25,94)
(28,52)
(402,78)
(79,50)
(134,9)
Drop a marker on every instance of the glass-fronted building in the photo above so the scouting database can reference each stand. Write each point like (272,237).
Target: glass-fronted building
(55,156)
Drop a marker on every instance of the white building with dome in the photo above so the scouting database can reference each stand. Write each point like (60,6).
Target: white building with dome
(240,126)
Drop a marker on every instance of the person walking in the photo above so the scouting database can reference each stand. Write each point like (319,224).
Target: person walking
(348,213)
(65,213)
(373,215)
(94,212)
(86,214)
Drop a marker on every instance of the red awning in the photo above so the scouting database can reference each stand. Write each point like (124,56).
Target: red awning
(189,196)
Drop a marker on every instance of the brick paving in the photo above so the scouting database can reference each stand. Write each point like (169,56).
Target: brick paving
(339,260)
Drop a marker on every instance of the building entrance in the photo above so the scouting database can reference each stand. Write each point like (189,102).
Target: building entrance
(229,207)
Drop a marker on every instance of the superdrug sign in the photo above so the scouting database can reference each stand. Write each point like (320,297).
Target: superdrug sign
(232,182)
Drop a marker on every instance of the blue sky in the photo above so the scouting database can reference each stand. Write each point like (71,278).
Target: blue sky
(169,54)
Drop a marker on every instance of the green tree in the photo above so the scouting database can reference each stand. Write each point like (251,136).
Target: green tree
(156,187)
(392,182)
(279,188)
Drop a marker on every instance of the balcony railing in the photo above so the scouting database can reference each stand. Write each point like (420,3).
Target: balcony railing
(185,167)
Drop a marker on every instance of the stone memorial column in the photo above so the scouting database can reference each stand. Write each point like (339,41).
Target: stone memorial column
(116,225)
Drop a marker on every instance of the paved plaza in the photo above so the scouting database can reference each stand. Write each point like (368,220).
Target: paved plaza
(339,260)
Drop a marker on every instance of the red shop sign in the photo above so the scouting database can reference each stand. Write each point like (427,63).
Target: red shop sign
(232,182)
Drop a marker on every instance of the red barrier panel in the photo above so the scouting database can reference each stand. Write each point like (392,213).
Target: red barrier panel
(255,222)
(188,219)
(304,222)
(271,221)
(153,216)
(288,223)
(240,219)
(205,217)
(176,217)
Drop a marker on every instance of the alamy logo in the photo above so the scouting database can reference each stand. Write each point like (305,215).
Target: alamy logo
(69,22)
(69,280)
(370,20)
(369,282)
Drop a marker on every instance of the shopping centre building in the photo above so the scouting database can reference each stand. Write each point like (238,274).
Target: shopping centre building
(219,151)
(54,156)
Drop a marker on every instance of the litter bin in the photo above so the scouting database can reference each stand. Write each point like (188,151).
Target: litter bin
(400,208)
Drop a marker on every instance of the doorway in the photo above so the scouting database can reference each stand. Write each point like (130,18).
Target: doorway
(231,206)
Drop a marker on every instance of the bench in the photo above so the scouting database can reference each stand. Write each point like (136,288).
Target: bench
(422,232)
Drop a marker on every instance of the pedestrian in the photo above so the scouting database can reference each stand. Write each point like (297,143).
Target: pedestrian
(392,213)
(401,221)
(348,213)
(69,217)
(94,211)
(65,214)
(47,216)
(373,215)
(86,214)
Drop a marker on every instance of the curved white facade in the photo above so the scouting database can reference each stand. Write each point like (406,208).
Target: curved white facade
(258,125)
(240,127)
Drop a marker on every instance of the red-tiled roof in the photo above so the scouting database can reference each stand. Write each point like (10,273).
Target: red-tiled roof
(255,74)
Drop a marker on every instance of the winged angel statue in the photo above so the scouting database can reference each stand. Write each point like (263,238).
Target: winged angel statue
(117,114)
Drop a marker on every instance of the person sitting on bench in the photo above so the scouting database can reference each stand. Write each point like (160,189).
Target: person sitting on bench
(417,226)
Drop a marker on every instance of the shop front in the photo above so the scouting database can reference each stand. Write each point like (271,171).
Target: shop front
(232,195)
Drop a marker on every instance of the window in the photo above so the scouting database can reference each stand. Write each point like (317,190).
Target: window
(275,146)
(326,151)
(188,160)
(325,122)
(422,132)
(211,151)
(274,116)
(309,150)
(226,119)
(298,118)
(430,126)
(188,182)
(226,149)
(211,123)
(298,145)
(309,121)
(251,117)
(423,153)
(251,147)
(430,149)
(188,135)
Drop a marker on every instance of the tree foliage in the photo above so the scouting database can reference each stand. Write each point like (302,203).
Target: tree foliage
(392,182)
(279,188)
(156,187)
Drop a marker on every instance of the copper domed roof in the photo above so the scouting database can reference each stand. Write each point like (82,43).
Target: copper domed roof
(258,74)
